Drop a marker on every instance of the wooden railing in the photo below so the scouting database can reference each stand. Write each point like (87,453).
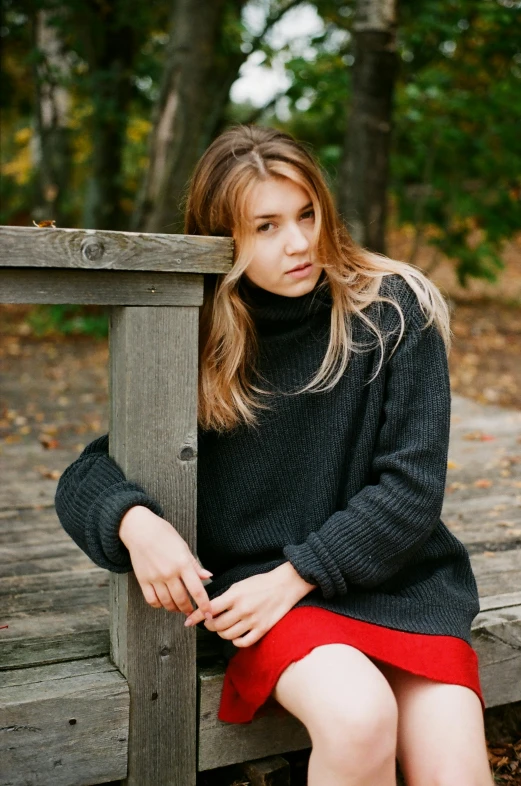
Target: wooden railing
(154,283)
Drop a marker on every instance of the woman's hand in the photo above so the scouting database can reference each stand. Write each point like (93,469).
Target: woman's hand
(163,563)
(254,605)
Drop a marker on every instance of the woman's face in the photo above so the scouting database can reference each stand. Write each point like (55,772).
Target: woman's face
(282,221)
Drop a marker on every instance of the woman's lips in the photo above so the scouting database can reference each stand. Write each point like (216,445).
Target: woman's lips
(301,272)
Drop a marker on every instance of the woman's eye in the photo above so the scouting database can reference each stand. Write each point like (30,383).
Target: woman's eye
(265,227)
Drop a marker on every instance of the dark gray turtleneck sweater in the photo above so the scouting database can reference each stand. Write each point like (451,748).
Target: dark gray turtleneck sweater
(347,485)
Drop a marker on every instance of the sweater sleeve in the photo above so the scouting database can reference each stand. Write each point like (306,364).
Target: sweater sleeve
(388,520)
(91,499)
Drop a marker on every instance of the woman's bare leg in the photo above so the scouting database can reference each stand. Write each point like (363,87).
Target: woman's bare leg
(350,713)
(441,735)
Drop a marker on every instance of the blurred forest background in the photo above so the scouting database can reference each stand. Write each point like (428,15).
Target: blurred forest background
(106,105)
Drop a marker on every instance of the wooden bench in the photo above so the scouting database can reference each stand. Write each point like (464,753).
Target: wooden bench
(94,684)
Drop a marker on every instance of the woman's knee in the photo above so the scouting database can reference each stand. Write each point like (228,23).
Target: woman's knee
(361,735)
(345,702)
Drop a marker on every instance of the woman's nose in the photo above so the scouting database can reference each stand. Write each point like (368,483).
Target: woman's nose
(296,240)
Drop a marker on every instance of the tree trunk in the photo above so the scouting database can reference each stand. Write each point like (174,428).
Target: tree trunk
(361,195)
(50,148)
(110,46)
(196,82)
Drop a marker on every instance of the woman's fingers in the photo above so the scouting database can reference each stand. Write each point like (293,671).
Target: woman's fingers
(239,629)
(205,574)
(246,641)
(195,587)
(180,596)
(170,601)
(226,620)
(150,596)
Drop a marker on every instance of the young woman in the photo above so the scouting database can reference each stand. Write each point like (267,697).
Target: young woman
(324,410)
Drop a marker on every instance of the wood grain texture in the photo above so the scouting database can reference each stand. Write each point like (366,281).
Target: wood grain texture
(103,287)
(222,744)
(269,771)
(110,250)
(497,572)
(153,437)
(64,724)
(496,637)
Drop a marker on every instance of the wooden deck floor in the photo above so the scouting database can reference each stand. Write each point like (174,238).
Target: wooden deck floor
(54,601)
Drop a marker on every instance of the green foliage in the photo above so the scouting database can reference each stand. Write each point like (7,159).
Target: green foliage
(134,27)
(455,169)
(456,160)
(69,320)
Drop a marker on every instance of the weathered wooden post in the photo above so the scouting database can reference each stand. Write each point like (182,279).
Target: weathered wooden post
(155,283)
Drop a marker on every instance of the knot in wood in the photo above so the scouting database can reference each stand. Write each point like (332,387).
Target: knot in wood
(92,249)
(164,651)
(187,453)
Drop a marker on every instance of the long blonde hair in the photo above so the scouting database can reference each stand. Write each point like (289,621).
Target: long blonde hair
(216,204)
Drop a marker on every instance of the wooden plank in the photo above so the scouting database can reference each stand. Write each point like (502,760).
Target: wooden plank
(53,636)
(75,560)
(41,647)
(497,572)
(270,771)
(23,485)
(20,586)
(72,591)
(57,671)
(496,637)
(504,601)
(105,287)
(11,555)
(64,725)
(153,428)
(222,744)
(481,522)
(96,249)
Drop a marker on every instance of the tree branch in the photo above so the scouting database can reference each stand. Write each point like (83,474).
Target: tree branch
(272,19)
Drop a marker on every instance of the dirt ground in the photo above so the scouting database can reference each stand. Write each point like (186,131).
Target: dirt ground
(486,324)
(71,374)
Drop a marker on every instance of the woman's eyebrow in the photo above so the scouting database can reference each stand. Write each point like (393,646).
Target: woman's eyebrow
(277,215)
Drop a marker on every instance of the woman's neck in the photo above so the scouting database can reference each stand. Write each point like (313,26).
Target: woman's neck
(269,307)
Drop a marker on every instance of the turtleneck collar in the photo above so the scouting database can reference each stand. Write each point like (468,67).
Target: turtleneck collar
(269,309)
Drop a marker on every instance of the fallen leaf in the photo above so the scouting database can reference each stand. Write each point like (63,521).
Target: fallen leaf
(45,472)
(455,486)
(479,435)
(483,483)
(48,442)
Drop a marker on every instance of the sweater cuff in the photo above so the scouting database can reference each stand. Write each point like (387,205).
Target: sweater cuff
(110,509)
(312,562)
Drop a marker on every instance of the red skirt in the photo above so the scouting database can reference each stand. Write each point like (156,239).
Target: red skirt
(252,672)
